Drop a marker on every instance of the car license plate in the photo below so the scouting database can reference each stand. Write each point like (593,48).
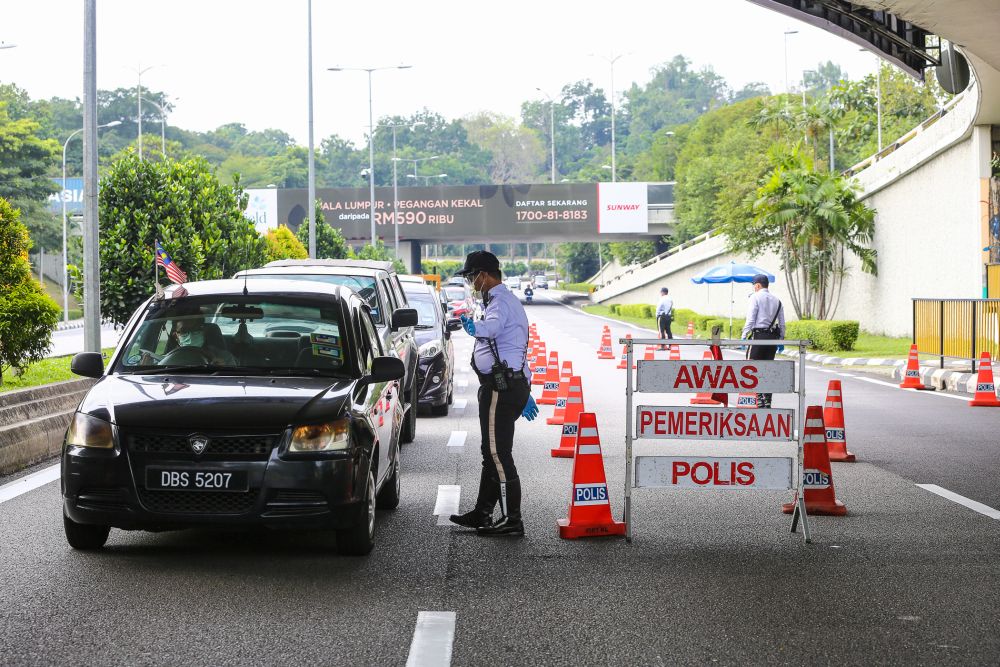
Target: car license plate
(187,479)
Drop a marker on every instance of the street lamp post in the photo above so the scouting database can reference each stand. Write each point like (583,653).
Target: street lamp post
(139,73)
(371,138)
(787,33)
(552,130)
(611,60)
(163,123)
(428,178)
(395,187)
(65,255)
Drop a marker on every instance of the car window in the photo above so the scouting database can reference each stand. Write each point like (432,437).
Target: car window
(364,286)
(387,298)
(228,333)
(401,296)
(365,352)
(427,306)
(369,329)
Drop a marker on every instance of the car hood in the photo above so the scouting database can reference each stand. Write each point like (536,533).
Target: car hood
(213,403)
(422,336)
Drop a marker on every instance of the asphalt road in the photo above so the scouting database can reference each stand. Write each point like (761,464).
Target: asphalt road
(908,577)
(70,341)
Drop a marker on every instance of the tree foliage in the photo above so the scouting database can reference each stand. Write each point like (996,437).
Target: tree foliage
(198,220)
(580,260)
(27,314)
(330,242)
(282,244)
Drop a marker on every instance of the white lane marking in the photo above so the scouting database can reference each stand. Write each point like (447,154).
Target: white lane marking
(432,639)
(28,483)
(457,438)
(460,404)
(461,382)
(447,503)
(962,500)
(912,391)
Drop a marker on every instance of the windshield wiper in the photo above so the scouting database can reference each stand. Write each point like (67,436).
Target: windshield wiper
(424,326)
(191,368)
(289,370)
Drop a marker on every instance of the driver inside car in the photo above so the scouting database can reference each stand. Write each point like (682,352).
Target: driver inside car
(192,331)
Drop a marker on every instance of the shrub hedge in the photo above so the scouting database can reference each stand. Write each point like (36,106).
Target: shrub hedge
(584,288)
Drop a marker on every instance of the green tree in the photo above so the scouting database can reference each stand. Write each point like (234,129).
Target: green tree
(380,253)
(580,260)
(198,220)
(809,219)
(25,160)
(282,244)
(518,153)
(330,243)
(632,252)
(27,314)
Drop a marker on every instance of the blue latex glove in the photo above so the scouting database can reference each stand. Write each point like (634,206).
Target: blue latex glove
(530,410)
(468,325)
(781,348)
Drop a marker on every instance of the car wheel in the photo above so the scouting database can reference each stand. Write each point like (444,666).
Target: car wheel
(358,540)
(388,497)
(409,431)
(83,536)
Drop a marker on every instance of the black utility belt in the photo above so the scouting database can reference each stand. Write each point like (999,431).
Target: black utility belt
(500,378)
(766,334)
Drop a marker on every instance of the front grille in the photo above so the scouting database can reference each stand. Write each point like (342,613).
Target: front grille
(297,496)
(197,502)
(223,446)
(295,502)
(102,498)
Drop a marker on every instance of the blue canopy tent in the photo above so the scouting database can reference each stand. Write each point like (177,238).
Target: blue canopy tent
(731,273)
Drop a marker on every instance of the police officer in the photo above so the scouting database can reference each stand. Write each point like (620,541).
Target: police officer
(498,359)
(765,321)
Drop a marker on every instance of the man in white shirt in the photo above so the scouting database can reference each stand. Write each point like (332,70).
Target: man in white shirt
(765,321)
(665,315)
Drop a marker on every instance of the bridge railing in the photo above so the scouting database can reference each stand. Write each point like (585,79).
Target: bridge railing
(957,328)
(662,256)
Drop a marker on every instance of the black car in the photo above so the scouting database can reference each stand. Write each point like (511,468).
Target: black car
(241,403)
(378,284)
(436,366)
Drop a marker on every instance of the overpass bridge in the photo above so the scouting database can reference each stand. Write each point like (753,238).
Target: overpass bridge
(931,188)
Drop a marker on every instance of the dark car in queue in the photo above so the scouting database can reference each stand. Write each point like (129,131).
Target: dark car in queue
(238,403)
(378,284)
(436,364)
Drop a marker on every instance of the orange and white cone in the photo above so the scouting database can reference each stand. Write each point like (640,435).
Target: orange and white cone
(911,376)
(649,354)
(675,353)
(537,365)
(605,340)
(590,502)
(574,403)
(690,329)
(986,389)
(559,415)
(833,418)
(550,383)
(818,481)
(566,373)
(567,442)
(623,363)
(745,400)
(705,397)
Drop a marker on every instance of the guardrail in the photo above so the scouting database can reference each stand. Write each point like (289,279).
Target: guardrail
(663,255)
(872,159)
(957,328)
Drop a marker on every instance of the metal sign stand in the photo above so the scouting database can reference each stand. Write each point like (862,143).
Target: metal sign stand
(799,513)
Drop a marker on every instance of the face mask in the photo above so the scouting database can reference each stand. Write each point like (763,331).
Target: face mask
(196,338)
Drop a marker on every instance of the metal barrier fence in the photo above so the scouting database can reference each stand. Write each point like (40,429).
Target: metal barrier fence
(957,328)
(993,281)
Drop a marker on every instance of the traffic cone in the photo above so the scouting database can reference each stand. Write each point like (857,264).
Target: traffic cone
(566,373)
(675,353)
(559,415)
(705,397)
(605,351)
(986,390)
(818,483)
(690,329)
(574,403)
(833,418)
(590,502)
(746,401)
(537,364)
(623,363)
(605,334)
(649,353)
(550,383)
(911,377)
(567,442)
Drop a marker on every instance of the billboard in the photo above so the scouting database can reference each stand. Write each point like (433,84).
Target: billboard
(447,212)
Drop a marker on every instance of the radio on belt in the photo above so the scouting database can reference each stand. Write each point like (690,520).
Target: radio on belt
(717,425)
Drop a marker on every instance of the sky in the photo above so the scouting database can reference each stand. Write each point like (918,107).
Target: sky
(223,61)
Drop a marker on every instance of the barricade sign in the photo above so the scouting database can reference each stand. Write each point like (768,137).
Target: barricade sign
(710,471)
(703,423)
(663,376)
(714,473)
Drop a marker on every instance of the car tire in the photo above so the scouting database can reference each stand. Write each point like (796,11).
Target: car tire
(440,410)
(409,431)
(358,540)
(83,536)
(388,497)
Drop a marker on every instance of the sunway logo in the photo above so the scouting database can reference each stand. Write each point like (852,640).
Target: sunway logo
(622,207)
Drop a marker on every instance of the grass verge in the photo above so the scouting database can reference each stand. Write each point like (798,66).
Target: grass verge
(867,346)
(46,371)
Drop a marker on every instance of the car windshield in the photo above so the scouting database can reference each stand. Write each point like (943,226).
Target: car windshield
(426,305)
(294,335)
(455,293)
(363,285)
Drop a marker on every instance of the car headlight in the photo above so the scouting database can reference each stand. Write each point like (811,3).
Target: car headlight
(328,437)
(89,431)
(431,349)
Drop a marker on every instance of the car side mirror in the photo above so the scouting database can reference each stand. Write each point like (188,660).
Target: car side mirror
(87,364)
(453,324)
(404,317)
(385,369)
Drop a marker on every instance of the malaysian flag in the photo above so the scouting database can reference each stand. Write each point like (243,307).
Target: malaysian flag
(173,271)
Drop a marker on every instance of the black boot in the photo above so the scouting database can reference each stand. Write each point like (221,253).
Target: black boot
(482,515)
(510,524)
